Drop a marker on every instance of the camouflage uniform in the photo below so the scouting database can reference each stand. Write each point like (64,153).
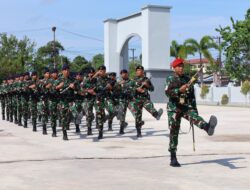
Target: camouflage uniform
(25,101)
(142,100)
(17,100)
(43,105)
(34,99)
(65,101)
(9,105)
(54,100)
(3,98)
(125,90)
(89,102)
(180,105)
(101,90)
(77,109)
(111,102)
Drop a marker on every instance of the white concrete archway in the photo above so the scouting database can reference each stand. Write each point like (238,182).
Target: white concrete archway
(152,26)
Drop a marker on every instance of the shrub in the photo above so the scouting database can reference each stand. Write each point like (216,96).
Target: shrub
(224,99)
(204,91)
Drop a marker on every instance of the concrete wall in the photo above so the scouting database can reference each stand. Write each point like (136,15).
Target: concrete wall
(215,94)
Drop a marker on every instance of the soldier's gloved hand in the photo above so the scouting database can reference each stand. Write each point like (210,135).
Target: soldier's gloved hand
(72,85)
(183,88)
(141,90)
(91,91)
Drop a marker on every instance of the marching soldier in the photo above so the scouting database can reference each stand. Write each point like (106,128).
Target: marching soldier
(142,86)
(110,101)
(88,86)
(65,87)
(25,98)
(182,103)
(3,97)
(44,85)
(102,86)
(34,98)
(78,101)
(54,99)
(126,95)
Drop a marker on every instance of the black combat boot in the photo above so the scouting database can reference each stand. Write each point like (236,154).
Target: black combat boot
(89,129)
(110,126)
(44,130)
(3,117)
(54,131)
(11,119)
(138,129)
(122,126)
(100,136)
(77,128)
(16,121)
(174,162)
(25,124)
(67,128)
(20,123)
(65,136)
(34,125)
(158,114)
(8,117)
(210,127)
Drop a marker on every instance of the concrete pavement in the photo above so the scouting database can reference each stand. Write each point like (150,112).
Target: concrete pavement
(33,161)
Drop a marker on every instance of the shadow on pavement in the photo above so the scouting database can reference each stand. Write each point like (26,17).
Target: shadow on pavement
(227,162)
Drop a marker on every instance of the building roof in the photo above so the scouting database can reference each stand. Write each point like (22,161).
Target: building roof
(197,61)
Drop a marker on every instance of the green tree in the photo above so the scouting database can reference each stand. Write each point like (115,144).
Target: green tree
(79,63)
(15,55)
(132,65)
(202,48)
(180,50)
(237,47)
(45,56)
(97,60)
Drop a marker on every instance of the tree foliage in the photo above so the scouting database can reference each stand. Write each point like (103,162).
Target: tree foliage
(15,55)
(237,47)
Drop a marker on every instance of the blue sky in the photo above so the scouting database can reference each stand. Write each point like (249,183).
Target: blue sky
(189,19)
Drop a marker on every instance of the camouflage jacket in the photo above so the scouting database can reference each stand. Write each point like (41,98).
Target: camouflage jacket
(178,100)
(88,83)
(125,89)
(101,87)
(138,82)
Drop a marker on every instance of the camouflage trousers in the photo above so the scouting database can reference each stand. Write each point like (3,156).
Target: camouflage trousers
(64,107)
(100,113)
(89,106)
(3,107)
(53,112)
(14,107)
(19,110)
(25,108)
(33,105)
(174,122)
(43,110)
(137,106)
(77,111)
(111,108)
(9,109)
(122,110)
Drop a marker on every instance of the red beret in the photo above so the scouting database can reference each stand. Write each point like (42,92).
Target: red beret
(177,62)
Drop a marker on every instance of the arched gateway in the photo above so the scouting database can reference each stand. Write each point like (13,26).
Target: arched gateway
(152,26)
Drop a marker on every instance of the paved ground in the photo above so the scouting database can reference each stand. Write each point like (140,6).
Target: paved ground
(32,161)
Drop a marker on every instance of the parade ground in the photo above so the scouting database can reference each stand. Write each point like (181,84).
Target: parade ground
(32,161)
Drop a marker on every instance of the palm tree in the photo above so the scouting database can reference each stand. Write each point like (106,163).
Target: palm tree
(180,50)
(202,48)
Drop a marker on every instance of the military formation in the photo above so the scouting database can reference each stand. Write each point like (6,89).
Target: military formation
(64,97)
